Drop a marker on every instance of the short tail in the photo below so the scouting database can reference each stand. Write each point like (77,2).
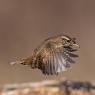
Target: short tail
(16,62)
(26,61)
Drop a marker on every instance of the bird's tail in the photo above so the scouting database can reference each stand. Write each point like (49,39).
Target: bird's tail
(17,62)
(26,61)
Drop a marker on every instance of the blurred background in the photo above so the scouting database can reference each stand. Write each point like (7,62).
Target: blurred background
(24,24)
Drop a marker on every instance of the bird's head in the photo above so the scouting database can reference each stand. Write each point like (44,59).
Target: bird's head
(70,41)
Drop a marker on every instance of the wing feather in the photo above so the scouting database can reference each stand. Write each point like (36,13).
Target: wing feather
(52,56)
(56,59)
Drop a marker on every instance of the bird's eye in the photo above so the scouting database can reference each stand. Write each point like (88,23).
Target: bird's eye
(68,40)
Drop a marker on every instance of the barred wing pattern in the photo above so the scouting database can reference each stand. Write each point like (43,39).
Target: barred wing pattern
(53,56)
(52,60)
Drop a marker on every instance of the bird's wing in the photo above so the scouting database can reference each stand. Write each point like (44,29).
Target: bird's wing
(54,59)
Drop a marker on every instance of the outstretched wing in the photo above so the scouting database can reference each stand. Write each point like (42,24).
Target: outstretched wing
(52,59)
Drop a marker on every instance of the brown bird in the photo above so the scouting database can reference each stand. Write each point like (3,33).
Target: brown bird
(54,55)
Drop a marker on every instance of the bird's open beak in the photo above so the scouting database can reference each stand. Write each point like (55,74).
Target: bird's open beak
(76,45)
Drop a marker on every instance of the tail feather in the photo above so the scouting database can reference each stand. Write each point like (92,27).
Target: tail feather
(16,62)
(27,61)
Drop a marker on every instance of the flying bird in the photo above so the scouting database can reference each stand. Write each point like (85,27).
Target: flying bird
(54,55)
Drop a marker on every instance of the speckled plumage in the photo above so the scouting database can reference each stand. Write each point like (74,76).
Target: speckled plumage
(54,55)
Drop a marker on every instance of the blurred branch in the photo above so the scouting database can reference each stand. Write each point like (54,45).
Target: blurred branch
(65,87)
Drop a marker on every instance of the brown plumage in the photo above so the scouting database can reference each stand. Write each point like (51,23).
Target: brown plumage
(54,55)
